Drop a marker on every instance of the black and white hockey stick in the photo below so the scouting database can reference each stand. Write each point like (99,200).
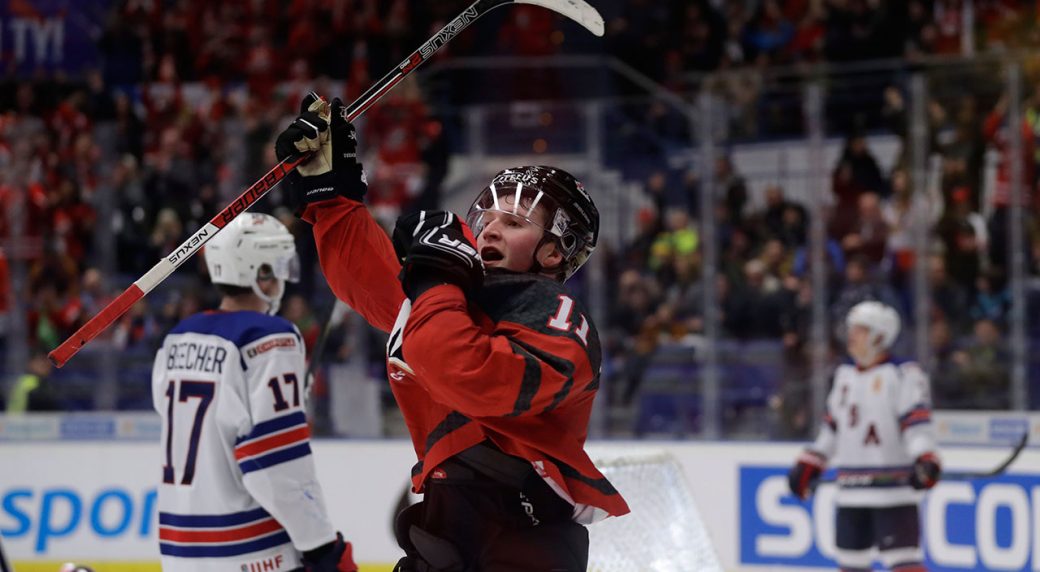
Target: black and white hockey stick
(903,479)
(577,10)
(996,472)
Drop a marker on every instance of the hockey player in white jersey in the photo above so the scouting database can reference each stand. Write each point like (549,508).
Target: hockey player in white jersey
(238,488)
(878,434)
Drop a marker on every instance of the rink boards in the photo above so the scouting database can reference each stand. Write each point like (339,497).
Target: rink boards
(95,501)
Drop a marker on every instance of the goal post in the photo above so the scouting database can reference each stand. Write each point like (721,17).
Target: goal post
(664,532)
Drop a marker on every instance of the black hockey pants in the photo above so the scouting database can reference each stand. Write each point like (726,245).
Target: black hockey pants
(484,511)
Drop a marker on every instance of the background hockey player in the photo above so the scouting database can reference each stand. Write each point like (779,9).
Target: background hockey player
(879,436)
(495,375)
(239,490)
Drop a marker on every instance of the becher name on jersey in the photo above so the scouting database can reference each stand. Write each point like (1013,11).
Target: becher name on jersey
(196,356)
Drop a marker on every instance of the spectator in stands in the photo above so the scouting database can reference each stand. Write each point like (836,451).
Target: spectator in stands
(633,332)
(299,312)
(921,31)
(701,36)
(769,32)
(949,299)
(997,131)
(683,299)
(991,300)
(754,309)
(138,329)
(867,236)
(733,187)
(32,391)
(949,25)
(738,248)
(847,192)
(795,318)
(777,260)
(785,220)
(53,315)
(960,214)
(982,374)
(943,346)
(808,42)
(964,257)
(649,225)
(638,36)
(679,238)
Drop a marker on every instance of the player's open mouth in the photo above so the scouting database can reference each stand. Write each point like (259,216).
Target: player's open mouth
(490,254)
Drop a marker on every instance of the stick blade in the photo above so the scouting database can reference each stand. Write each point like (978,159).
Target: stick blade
(577,10)
(109,314)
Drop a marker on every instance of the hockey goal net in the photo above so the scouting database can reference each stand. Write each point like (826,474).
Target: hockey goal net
(663,533)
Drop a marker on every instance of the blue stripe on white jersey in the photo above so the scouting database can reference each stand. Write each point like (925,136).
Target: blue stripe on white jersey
(240,328)
(273,426)
(213,520)
(219,535)
(219,550)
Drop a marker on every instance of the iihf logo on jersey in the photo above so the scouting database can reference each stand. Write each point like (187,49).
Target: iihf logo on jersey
(267,564)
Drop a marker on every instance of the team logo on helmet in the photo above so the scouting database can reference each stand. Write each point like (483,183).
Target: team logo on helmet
(521,177)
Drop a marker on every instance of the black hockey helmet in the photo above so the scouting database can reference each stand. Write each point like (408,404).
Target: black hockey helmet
(572,223)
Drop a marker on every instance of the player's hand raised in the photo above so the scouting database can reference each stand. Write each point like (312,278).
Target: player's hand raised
(435,247)
(322,129)
(805,474)
(336,556)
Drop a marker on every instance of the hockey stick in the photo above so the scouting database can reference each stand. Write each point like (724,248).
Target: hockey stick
(577,10)
(903,479)
(337,313)
(997,471)
(5,566)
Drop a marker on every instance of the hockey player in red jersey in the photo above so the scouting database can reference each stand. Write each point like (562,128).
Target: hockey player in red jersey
(878,435)
(238,489)
(494,365)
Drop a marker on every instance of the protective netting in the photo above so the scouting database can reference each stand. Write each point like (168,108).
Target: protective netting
(663,533)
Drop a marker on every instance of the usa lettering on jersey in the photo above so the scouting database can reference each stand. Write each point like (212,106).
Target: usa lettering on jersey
(878,421)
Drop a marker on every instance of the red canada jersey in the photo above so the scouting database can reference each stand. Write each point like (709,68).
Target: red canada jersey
(517,364)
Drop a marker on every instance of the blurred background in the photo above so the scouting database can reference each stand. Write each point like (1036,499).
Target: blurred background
(760,165)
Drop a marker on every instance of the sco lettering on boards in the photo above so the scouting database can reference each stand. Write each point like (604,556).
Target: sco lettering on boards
(981,525)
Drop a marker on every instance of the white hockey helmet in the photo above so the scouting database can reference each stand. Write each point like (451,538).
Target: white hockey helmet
(240,252)
(881,319)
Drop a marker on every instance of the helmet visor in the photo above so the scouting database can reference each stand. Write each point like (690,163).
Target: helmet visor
(525,202)
(279,253)
(287,268)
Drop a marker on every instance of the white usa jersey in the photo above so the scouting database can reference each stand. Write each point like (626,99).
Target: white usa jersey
(878,422)
(238,489)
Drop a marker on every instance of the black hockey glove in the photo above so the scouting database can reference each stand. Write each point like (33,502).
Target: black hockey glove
(803,477)
(926,472)
(435,247)
(336,556)
(334,168)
